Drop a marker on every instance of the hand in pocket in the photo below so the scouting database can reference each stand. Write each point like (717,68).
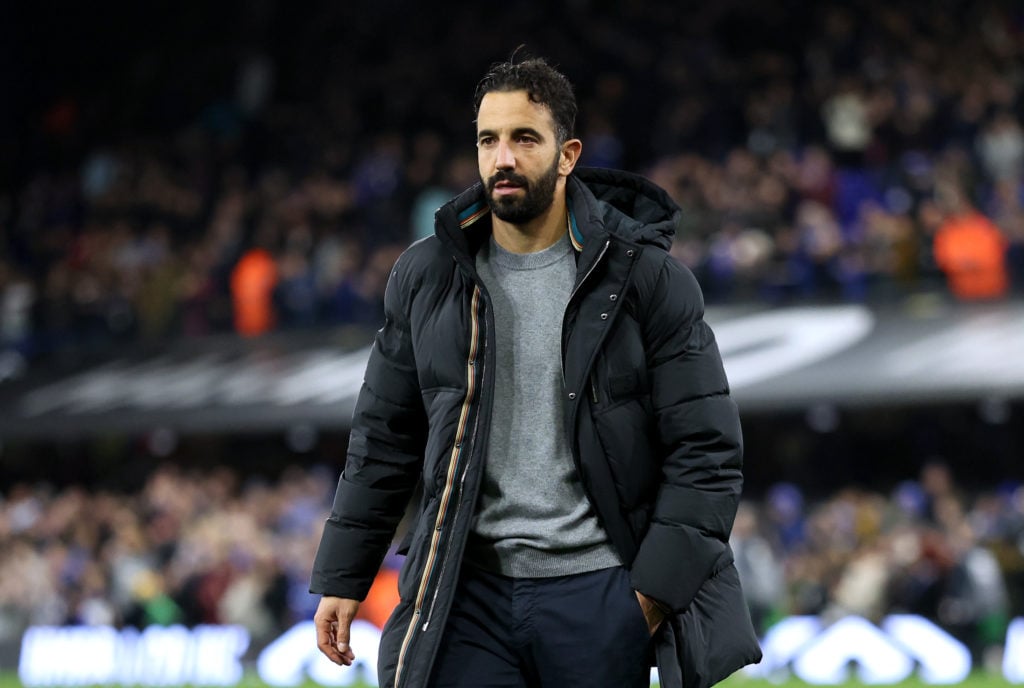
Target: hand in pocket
(652,612)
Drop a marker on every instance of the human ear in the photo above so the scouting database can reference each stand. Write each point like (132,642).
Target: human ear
(569,156)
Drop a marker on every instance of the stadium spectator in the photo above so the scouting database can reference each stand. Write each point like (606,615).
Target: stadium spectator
(253,281)
(759,565)
(1001,147)
(1007,211)
(970,249)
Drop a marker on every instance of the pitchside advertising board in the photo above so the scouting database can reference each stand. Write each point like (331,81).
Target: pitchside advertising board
(900,647)
(777,358)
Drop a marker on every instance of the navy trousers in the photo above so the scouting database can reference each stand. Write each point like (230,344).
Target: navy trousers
(585,630)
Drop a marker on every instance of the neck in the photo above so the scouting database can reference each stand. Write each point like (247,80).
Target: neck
(537,234)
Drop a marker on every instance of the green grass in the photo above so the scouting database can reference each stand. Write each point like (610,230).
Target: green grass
(976,680)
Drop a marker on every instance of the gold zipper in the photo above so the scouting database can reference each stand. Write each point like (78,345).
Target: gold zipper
(450,481)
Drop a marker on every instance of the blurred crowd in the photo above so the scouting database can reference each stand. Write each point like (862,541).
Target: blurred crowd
(926,548)
(187,548)
(213,547)
(821,151)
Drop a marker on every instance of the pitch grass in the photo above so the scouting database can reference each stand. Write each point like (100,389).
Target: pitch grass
(9,679)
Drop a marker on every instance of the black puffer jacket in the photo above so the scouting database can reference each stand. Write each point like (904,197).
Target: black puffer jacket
(654,432)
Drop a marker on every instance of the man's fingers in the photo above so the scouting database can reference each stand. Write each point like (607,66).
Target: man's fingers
(327,643)
(332,619)
(341,641)
(325,640)
(345,653)
(652,613)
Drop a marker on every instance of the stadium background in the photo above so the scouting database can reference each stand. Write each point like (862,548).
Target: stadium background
(190,192)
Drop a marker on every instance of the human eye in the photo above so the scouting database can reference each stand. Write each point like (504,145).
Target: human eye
(485,141)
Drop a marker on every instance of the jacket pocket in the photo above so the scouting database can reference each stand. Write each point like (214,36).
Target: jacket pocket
(625,433)
(711,639)
(624,385)
(443,405)
(413,543)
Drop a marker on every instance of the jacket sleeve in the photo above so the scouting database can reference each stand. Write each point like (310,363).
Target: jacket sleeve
(699,434)
(384,457)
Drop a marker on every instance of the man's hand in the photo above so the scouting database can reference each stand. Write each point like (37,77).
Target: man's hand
(652,612)
(333,619)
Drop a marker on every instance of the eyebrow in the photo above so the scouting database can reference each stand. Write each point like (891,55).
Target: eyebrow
(515,132)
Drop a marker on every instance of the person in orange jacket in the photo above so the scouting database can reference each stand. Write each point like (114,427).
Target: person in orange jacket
(970,249)
(252,291)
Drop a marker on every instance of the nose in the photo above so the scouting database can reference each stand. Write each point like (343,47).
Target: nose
(504,160)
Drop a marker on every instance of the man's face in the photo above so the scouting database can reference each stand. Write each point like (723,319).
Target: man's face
(518,155)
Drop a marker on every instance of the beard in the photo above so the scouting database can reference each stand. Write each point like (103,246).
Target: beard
(538,195)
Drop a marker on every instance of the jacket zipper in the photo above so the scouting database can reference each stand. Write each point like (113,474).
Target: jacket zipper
(446,495)
(572,295)
(455,519)
(462,486)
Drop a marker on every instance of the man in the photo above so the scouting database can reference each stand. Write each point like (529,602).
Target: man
(545,374)
(969,248)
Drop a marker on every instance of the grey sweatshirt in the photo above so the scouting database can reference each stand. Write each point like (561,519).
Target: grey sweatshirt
(533,519)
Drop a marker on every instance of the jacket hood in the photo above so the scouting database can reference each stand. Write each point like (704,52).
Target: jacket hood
(600,200)
(623,204)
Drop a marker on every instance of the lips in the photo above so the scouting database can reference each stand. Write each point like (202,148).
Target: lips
(506,183)
(506,188)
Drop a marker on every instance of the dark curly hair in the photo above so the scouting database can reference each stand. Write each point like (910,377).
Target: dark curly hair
(543,85)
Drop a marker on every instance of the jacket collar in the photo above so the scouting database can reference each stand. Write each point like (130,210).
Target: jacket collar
(464,222)
(599,201)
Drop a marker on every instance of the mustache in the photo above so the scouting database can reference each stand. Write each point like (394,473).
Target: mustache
(506,176)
